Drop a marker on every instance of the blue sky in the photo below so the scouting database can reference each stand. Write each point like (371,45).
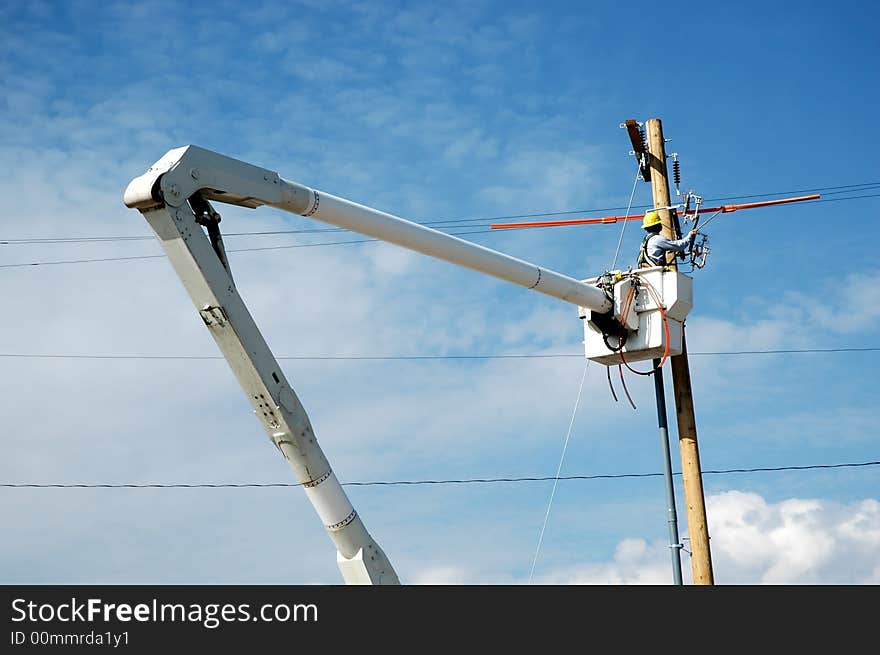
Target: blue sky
(435,111)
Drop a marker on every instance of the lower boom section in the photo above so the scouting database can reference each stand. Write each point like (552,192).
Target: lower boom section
(212,290)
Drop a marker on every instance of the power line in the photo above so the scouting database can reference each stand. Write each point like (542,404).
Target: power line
(875,195)
(451,223)
(786,351)
(426,357)
(847,188)
(395,483)
(228,250)
(315,245)
(83,261)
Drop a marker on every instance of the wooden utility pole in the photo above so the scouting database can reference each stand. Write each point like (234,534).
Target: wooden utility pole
(692,475)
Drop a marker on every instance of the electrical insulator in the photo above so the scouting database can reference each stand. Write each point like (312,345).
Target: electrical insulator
(676,172)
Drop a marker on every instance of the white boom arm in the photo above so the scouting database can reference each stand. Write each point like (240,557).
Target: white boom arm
(172,197)
(185,171)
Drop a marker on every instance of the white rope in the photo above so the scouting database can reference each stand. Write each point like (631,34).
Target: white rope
(625,221)
(558,471)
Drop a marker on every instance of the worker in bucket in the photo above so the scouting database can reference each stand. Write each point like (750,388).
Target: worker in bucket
(655,245)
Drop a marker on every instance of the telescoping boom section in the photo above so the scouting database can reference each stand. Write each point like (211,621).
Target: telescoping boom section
(173,196)
(185,172)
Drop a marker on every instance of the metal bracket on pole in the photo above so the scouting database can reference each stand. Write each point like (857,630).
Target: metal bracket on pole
(640,148)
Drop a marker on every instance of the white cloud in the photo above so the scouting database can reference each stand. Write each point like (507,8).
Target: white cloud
(807,541)
(441,575)
(753,541)
(634,563)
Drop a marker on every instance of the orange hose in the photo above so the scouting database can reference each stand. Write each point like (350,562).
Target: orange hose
(657,299)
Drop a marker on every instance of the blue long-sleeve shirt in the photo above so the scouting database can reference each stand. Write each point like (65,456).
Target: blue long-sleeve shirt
(658,245)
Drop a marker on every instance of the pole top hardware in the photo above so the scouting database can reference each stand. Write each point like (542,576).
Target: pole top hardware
(640,146)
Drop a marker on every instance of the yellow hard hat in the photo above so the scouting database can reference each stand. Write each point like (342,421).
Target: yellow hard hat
(651,218)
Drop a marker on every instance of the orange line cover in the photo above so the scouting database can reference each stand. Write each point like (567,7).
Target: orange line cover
(634,217)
